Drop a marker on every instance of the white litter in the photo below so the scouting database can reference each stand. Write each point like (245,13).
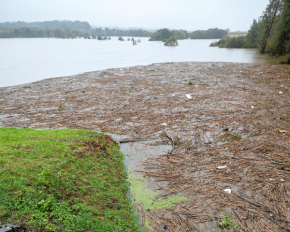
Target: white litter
(188,96)
(222,167)
(280,92)
(282,180)
(229,191)
(253,107)
(164,124)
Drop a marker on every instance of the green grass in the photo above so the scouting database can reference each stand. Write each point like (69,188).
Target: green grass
(62,106)
(226,222)
(63,180)
(234,138)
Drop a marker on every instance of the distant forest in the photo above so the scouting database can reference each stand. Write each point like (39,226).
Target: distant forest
(213,33)
(75,29)
(164,34)
(118,32)
(73,25)
(42,33)
(62,29)
(270,33)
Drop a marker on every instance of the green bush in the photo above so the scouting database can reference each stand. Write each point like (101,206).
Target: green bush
(233,42)
(288,59)
(281,62)
(121,38)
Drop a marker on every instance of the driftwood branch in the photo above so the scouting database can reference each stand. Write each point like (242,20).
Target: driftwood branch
(134,140)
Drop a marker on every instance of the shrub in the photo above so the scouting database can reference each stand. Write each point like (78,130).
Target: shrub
(233,42)
(288,59)
(281,62)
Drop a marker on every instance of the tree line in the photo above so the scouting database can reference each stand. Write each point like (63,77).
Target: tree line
(42,33)
(164,34)
(270,33)
(212,33)
(117,32)
(64,24)
(73,29)
(46,29)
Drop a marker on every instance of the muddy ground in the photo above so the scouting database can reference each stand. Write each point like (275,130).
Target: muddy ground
(238,117)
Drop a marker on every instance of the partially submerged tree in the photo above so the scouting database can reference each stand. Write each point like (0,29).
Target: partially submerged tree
(121,38)
(161,35)
(172,41)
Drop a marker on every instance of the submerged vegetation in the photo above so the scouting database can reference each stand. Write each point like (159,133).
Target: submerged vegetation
(63,180)
(118,32)
(233,42)
(270,34)
(172,41)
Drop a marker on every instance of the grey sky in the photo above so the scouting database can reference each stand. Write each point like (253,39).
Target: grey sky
(174,14)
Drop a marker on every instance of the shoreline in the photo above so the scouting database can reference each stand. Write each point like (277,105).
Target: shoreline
(136,102)
(134,66)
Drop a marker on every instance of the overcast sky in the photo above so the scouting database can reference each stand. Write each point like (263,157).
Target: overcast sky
(174,14)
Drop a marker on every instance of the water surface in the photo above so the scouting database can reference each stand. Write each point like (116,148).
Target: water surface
(28,60)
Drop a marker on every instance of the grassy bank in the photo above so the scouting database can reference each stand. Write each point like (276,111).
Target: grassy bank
(63,180)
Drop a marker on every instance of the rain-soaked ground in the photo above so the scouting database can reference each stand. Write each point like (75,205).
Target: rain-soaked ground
(232,135)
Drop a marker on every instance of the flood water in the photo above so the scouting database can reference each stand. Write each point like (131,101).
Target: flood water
(28,60)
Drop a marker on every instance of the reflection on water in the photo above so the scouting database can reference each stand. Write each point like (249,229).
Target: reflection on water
(28,60)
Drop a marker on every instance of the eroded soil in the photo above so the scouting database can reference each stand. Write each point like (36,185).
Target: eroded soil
(238,118)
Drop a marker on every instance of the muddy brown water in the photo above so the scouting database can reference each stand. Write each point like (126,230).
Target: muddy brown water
(28,60)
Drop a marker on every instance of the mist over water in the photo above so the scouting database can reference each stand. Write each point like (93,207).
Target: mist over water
(28,60)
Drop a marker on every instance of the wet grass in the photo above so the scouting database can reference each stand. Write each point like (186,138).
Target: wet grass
(63,180)
(226,222)
(234,138)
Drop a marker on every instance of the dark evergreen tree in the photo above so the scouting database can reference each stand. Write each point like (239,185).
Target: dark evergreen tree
(268,19)
(284,32)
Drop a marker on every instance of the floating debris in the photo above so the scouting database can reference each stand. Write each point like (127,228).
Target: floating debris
(135,95)
(229,191)
(222,167)
(188,96)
